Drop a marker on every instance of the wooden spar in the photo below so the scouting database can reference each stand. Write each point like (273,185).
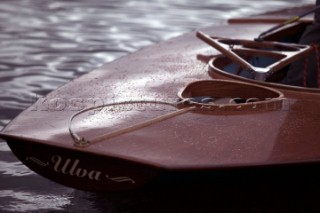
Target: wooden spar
(224,51)
(264,19)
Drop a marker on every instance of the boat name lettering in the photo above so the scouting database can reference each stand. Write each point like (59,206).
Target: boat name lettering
(71,167)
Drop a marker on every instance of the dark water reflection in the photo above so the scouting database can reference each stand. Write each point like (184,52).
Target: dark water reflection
(44,44)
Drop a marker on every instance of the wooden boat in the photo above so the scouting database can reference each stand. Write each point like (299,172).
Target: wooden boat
(159,112)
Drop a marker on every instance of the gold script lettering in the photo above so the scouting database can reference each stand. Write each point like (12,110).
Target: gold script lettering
(94,175)
(71,167)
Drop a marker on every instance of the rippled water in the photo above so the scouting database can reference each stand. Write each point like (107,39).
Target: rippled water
(44,44)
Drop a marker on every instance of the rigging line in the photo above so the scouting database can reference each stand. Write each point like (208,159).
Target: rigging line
(83,142)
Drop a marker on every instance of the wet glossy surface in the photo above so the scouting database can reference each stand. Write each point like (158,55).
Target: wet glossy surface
(46,45)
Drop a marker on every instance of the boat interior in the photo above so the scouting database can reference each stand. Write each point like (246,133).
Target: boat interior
(273,53)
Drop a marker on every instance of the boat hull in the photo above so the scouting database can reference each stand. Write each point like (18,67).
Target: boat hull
(81,170)
(241,137)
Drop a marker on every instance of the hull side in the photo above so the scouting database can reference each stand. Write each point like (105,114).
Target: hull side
(81,170)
